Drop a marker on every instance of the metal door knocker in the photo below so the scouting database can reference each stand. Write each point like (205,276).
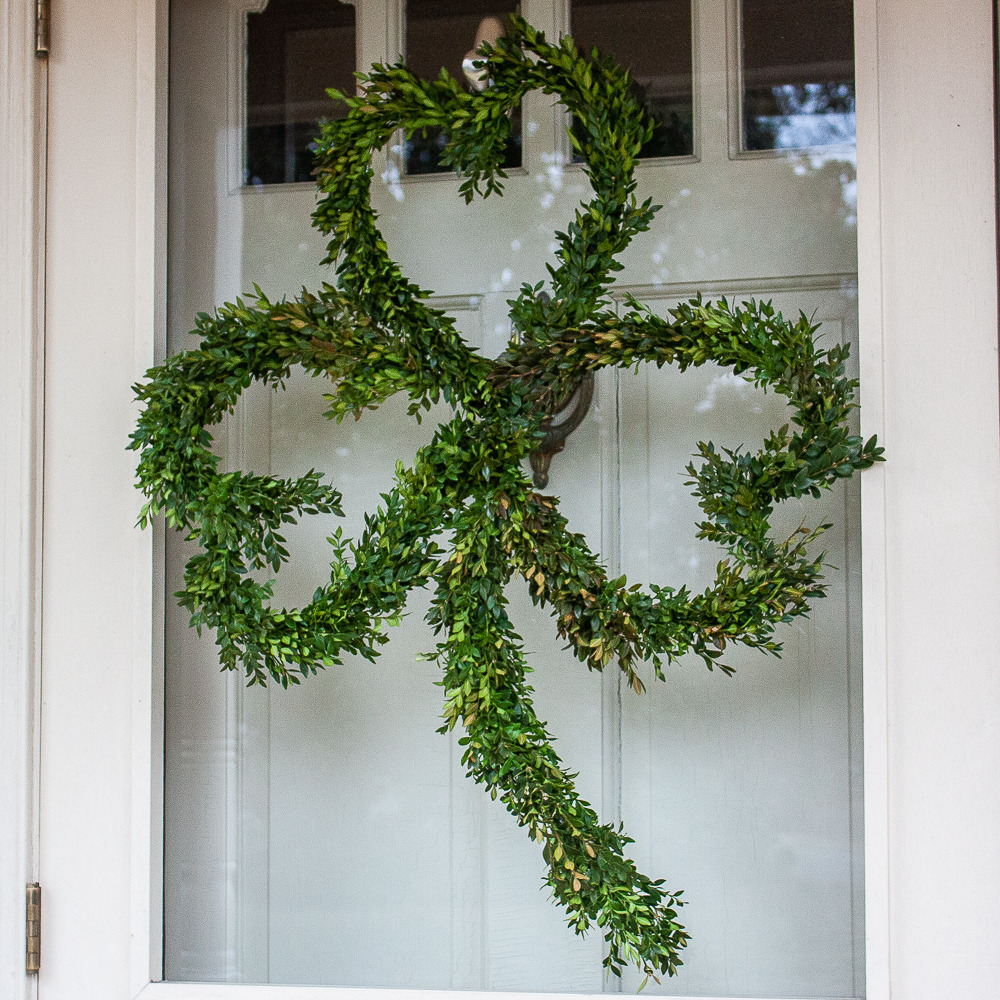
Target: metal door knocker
(568,413)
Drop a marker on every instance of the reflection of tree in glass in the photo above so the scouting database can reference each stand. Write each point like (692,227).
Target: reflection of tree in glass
(798,115)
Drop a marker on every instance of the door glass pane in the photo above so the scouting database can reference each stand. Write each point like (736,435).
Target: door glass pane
(652,38)
(445,34)
(328,834)
(798,73)
(295,50)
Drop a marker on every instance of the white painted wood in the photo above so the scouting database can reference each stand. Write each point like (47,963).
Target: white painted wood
(743,788)
(925,150)
(23,80)
(146,902)
(874,511)
(931,515)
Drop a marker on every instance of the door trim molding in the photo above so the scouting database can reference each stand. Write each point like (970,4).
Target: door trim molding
(845,281)
(874,509)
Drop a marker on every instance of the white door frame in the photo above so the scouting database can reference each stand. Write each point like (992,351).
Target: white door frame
(931,515)
(23,81)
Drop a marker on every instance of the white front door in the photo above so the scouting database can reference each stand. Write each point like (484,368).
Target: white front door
(327,834)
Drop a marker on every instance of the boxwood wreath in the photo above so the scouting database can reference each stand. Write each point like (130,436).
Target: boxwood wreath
(373,335)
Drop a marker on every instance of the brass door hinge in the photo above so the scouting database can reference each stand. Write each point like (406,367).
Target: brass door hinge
(33,927)
(42,18)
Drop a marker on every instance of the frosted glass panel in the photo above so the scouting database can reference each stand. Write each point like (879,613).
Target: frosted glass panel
(328,834)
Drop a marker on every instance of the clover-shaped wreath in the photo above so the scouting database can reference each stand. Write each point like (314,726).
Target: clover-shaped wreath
(373,336)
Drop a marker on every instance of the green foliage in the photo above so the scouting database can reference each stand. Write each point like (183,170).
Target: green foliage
(373,336)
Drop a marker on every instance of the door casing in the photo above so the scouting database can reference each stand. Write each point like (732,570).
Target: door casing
(931,516)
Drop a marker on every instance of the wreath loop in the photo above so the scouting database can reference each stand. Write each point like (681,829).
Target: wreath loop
(373,336)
